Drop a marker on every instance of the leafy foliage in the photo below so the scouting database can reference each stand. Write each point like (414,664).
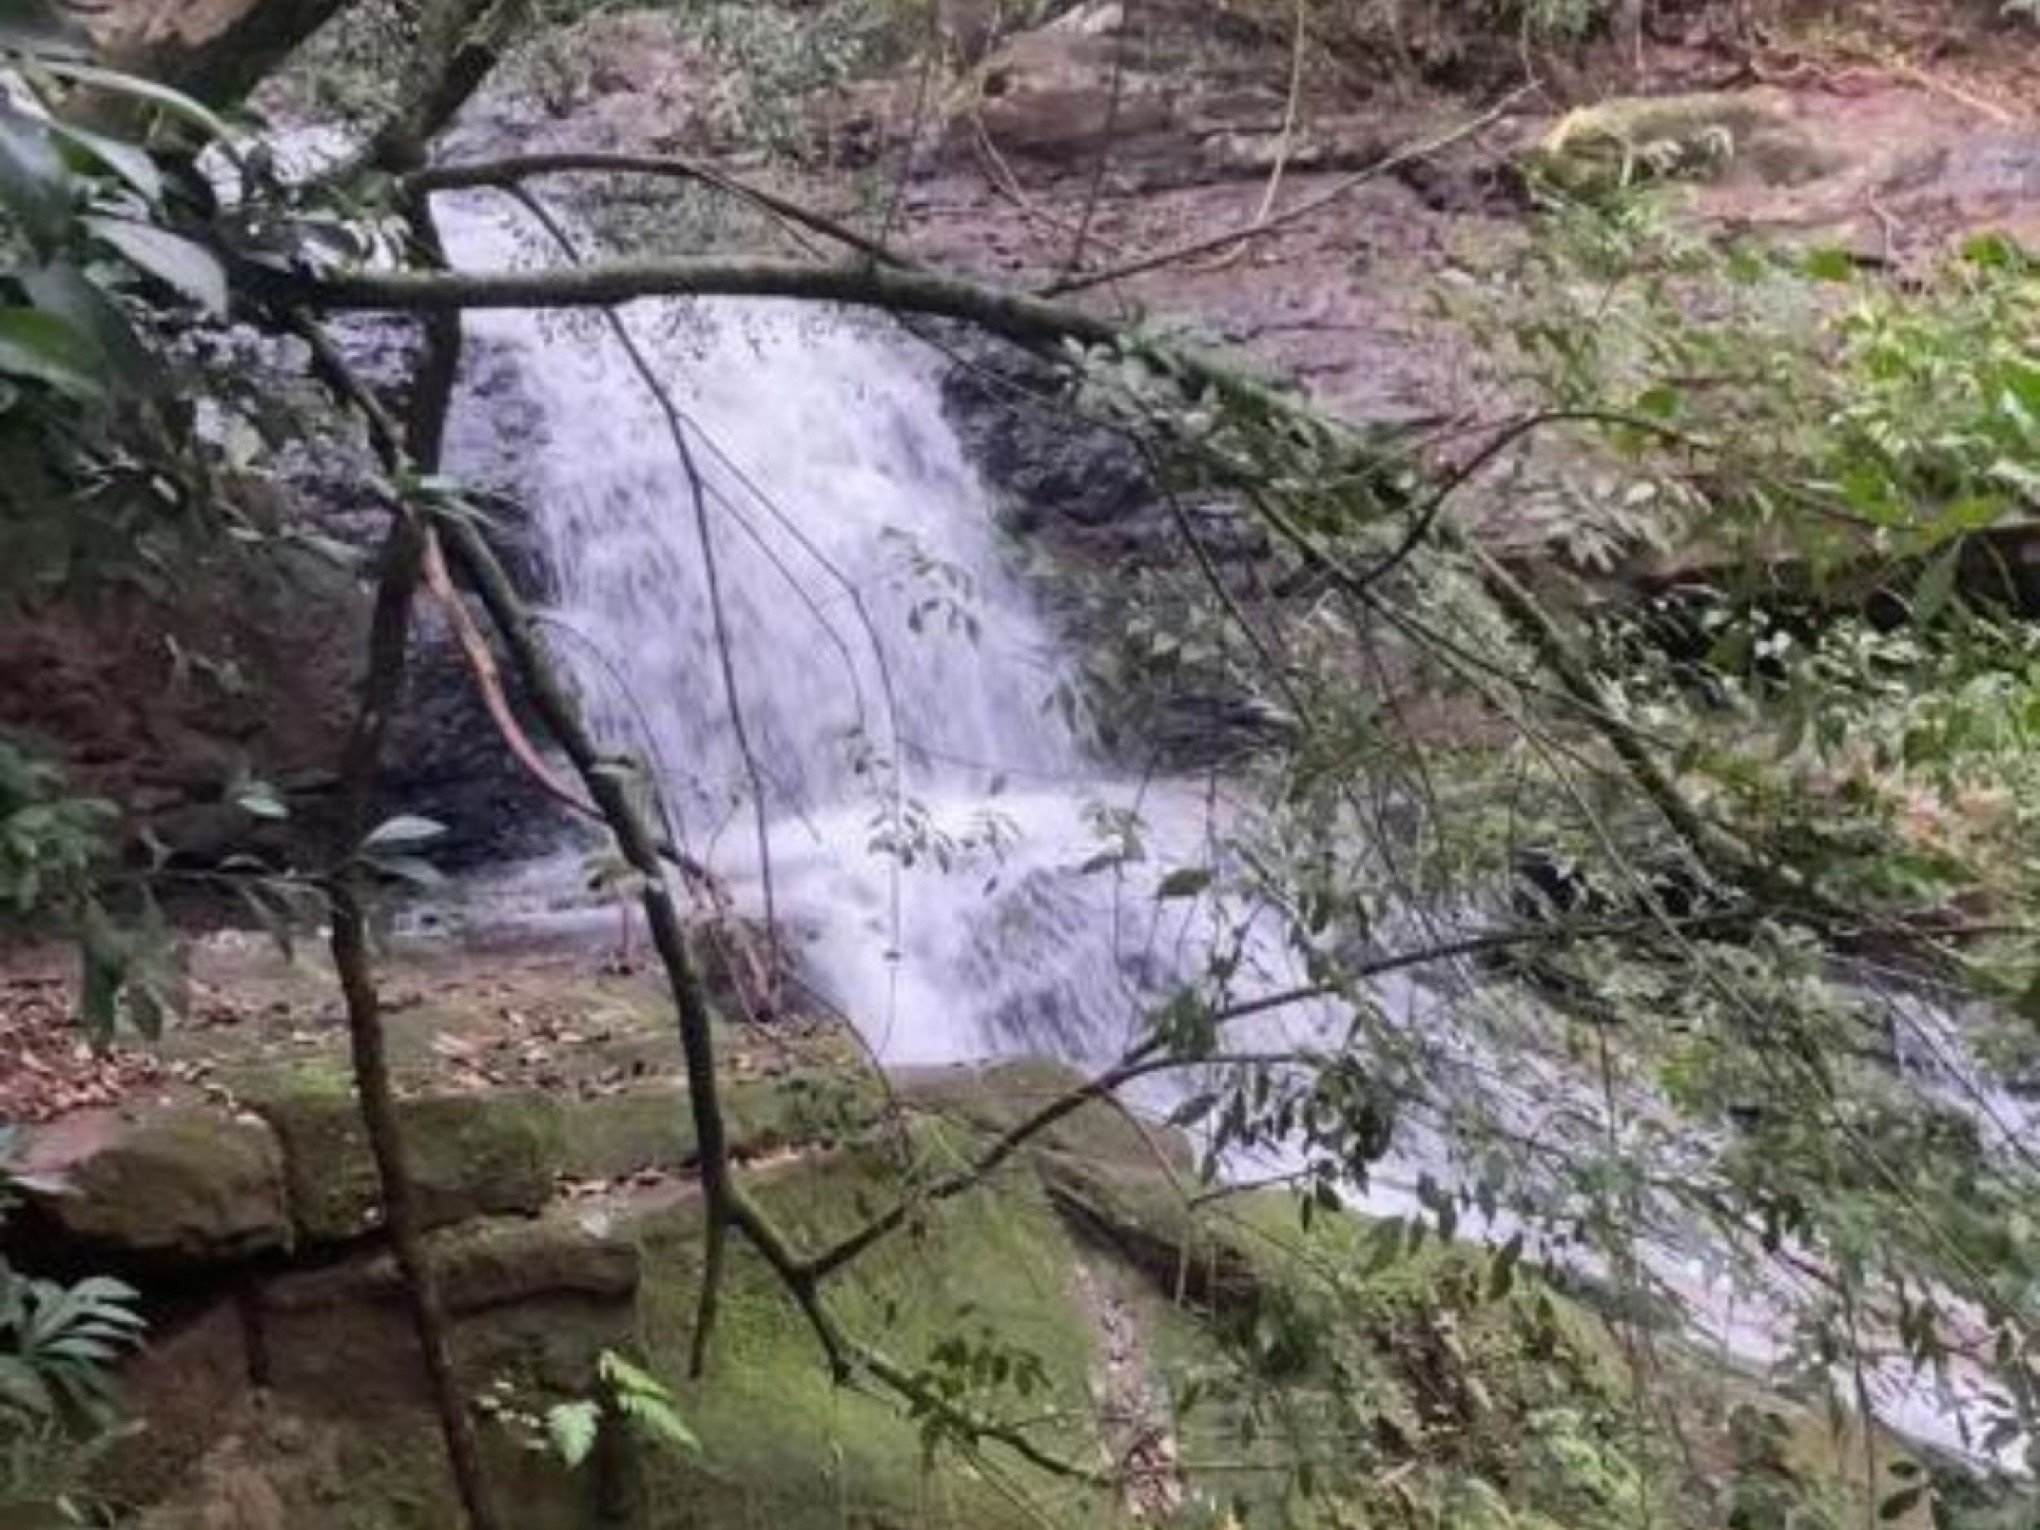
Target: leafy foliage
(58,1346)
(626,1397)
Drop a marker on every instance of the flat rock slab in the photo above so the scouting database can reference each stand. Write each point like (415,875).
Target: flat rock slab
(177,1186)
(469,1154)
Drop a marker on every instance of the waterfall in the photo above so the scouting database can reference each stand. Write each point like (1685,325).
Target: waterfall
(926,797)
(932,817)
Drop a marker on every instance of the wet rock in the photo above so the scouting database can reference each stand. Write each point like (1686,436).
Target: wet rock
(1051,469)
(170,1189)
(1083,493)
(1978,182)
(1080,485)
(470,1154)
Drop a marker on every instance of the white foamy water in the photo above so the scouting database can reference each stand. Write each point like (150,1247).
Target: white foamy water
(926,797)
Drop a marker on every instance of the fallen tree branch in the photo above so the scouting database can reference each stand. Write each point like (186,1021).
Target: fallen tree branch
(513,170)
(601,284)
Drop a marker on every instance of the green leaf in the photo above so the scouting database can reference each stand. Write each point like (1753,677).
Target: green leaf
(45,348)
(64,290)
(404,829)
(1901,1502)
(1830,263)
(1184,882)
(22,1390)
(1993,252)
(572,1427)
(259,799)
(35,183)
(1502,1273)
(177,262)
(1658,403)
(657,1418)
(1193,1110)
(128,161)
(628,1379)
(1937,583)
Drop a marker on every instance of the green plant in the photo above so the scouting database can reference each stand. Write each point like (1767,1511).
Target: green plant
(625,1397)
(59,1345)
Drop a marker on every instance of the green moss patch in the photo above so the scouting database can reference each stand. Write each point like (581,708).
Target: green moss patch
(469,1154)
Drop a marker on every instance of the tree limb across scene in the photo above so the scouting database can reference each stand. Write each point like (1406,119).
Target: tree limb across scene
(600,284)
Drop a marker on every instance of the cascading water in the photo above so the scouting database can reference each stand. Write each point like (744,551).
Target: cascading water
(891,677)
(895,691)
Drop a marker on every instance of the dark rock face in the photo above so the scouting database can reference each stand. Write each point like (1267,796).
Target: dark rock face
(1082,487)
(247,666)
(1084,493)
(1052,471)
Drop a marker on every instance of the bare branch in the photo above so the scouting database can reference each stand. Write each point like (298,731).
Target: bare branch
(1030,321)
(381,689)
(514,170)
(1268,224)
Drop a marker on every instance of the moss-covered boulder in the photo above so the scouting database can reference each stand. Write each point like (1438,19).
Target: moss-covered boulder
(785,1444)
(176,1186)
(470,1155)
(1629,140)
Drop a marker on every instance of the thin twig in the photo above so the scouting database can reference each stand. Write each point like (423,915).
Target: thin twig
(697,488)
(1210,244)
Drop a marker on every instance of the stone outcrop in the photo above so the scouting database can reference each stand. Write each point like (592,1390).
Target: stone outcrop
(216,50)
(177,1186)
(281,1389)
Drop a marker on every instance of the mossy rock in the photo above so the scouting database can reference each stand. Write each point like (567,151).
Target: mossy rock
(609,1136)
(1143,1220)
(178,1187)
(1629,140)
(469,1154)
(783,1444)
(999,1096)
(281,1469)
